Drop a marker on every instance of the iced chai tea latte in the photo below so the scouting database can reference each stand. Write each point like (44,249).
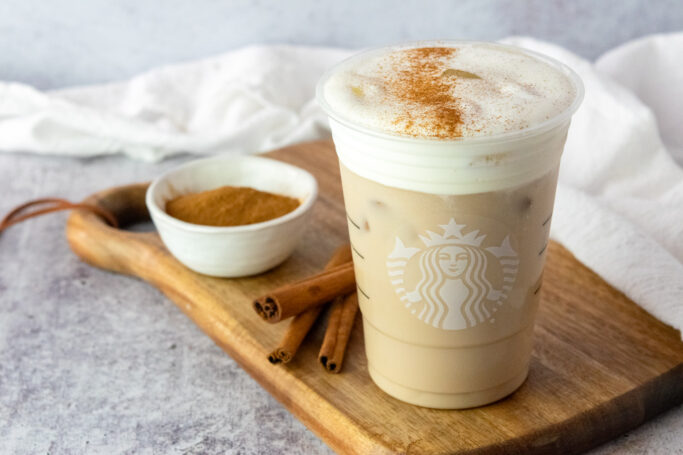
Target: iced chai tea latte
(449,153)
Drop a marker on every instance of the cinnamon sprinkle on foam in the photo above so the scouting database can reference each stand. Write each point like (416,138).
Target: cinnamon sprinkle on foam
(418,79)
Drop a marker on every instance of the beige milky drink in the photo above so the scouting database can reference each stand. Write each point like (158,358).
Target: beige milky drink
(449,153)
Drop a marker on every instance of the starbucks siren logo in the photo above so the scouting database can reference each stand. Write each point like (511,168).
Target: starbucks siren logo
(453,289)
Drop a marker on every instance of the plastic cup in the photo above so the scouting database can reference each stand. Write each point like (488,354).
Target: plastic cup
(449,241)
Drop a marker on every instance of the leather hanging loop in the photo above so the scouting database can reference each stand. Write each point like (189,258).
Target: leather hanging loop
(49,205)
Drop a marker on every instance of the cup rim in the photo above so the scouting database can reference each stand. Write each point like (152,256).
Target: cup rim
(304,207)
(534,130)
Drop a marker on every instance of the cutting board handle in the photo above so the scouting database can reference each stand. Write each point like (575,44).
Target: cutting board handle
(115,249)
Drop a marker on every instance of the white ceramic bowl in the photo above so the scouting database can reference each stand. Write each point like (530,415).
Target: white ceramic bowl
(237,250)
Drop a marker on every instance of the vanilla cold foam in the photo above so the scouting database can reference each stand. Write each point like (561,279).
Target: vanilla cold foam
(449,154)
(467,90)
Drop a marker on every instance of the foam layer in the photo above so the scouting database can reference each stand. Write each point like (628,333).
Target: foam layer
(447,90)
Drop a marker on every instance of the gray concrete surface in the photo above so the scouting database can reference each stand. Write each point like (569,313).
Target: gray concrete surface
(68,42)
(98,363)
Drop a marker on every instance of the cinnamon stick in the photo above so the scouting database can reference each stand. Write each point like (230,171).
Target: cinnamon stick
(342,316)
(298,297)
(301,323)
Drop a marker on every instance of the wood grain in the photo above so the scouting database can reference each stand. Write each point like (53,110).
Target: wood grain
(601,365)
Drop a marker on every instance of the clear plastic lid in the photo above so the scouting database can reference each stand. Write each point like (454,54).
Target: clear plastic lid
(537,128)
(461,165)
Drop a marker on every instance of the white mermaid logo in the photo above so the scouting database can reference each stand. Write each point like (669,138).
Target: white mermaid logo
(454,290)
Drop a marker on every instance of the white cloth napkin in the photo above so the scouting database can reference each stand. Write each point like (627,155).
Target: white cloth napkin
(619,205)
(250,100)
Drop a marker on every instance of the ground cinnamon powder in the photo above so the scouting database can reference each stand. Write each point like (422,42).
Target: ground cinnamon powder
(418,78)
(230,206)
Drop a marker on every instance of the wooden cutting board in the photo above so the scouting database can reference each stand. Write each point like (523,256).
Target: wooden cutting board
(601,365)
